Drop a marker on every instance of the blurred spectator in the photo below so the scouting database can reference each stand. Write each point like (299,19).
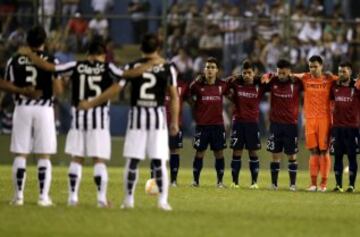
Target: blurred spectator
(99,25)
(25,12)
(298,18)
(110,51)
(311,31)
(271,53)
(63,53)
(69,8)
(102,5)
(7,8)
(76,30)
(17,38)
(138,10)
(212,42)
(174,42)
(183,64)
(262,9)
(46,12)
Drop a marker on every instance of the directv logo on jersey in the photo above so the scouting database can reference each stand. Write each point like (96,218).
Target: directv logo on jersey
(343,99)
(85,69)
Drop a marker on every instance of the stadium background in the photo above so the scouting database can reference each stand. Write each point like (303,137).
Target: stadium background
(265,30)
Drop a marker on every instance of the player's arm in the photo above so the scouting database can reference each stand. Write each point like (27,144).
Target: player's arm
(297,75)
(174,110)
(138,71)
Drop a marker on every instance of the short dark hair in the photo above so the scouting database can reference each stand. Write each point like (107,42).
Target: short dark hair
(345,64)
(248,65)
(36,37)
(150,43)
(316,58)
(97,46)
(283,63)
(212,60)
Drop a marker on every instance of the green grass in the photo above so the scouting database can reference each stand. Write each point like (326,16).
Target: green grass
(205,211)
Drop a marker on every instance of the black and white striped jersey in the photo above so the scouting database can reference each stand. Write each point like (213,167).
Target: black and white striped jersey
(89,79)
(148,95)
(22,73)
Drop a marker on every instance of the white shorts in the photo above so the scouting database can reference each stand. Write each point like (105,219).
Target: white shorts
(91,143)
(140,143)
(33,130)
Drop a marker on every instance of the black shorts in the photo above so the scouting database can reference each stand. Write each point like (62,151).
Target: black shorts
(344,140)
(283,138)
(176,142)
(209,134)
(245,135)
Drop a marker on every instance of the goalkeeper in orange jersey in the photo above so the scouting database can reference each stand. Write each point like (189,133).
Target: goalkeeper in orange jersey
(317,87)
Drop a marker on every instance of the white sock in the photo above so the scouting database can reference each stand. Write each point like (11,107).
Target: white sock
(19,176)
(44,176)
(163,196)
(101,180)
(75,172)
(129,194)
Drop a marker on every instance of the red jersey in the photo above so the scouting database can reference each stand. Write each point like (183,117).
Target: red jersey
(284,100)
(183,91)
(346,106)
(208,102)
(246,99)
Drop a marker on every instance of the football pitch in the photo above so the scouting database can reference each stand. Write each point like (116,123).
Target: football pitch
(204,211)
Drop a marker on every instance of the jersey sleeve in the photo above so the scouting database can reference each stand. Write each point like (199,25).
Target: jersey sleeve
(9,71)
(66,68)
(172,76)
(116,74)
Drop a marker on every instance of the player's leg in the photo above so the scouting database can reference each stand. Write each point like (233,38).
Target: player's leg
(337,149)
(237,143)
(21,142)
(217,145)
(274,169)
(311,141)
(75,147)
(200,143)
(352,149)
(131,174)
(254,166)
(101,179)
(325,160)
(175,143)
(252,144)
(290,149)
(292,168)
(275,145)
(45,144)
(162,181)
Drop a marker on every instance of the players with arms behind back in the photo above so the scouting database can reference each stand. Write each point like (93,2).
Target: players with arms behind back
(33,121)
(245,92)
(344,132)
(284,111)
(147,130)
(207,99)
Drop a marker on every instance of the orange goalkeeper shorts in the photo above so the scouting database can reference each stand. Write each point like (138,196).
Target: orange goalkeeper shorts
(317,132)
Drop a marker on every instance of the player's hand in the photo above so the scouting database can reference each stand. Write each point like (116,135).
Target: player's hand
(199,78)
(24,50)
(266,78)
(173,129)
(31,92)
(84,105)
(233,77)
(328,74)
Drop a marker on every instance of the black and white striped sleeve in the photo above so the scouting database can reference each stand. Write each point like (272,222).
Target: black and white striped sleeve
(173,75)
(117,74)
(66,68)
(9,71)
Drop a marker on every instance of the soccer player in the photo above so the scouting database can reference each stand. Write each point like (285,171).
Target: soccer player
(246,92)
(33,121)
(89,135)
(284,110)
(206,95)
(147,130)
(176,142)
(317,88)
(345,133)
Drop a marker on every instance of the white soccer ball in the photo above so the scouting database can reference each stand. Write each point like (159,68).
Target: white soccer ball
(151,187)
(346,170)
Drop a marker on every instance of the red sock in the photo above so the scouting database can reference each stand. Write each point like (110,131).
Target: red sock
(314,168)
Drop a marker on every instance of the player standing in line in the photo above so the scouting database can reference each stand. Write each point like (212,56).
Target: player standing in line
(284,110)
(345,133)
(245,92)
(206,96)
(33,121)
(147,130)
(317,88)
(89,135)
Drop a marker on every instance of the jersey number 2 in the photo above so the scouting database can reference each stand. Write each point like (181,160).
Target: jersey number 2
(150,83)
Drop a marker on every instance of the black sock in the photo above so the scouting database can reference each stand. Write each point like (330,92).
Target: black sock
(353,167)
(235,169)
(338,169)
(97,180)
(20,174)
(158,174)
(292,167)
(197,166)
(41,177)
(274,168)
(220,166)
(254,168)
(72,180)
(152,169)
(174,167)
(132,175)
